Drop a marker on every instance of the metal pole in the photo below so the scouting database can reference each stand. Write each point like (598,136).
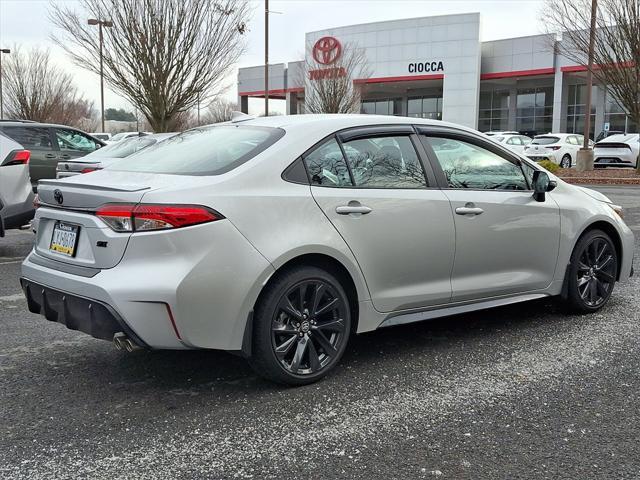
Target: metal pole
(592,39)
(101,77)
(266,58)
(1,111)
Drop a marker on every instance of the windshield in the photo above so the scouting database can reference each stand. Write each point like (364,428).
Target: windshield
(120,136)
(211,150)
(122,149)
(545,140)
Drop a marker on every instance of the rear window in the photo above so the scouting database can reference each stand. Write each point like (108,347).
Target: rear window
(212,150)
(545,140)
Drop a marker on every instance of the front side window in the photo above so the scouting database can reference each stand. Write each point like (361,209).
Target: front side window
(32,138)
(212,150)
(385,162)
(72,140)
(326,165)
(469,166)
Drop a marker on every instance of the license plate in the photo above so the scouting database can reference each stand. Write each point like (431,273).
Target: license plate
(64,239)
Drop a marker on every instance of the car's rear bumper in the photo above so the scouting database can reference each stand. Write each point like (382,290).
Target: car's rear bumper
(87,315)
(542,156)
(189,288)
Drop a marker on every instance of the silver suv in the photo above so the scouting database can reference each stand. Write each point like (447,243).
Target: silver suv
(16,195)
(280,237)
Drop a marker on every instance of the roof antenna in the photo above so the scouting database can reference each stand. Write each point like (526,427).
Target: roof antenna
(240,117)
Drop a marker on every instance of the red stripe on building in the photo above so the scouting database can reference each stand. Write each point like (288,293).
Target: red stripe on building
(517,73)
(582,68)
(407,78)
(279,93)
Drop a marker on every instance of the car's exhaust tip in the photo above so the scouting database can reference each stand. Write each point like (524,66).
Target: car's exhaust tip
(124,343)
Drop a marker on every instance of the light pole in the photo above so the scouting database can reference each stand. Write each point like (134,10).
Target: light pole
(108,24)
(266,58)
(2,50)
(585,154)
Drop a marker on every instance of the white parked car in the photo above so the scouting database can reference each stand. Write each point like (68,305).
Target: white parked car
(122,135)
(494,133)
(617,151)
(559,148)
(517,143)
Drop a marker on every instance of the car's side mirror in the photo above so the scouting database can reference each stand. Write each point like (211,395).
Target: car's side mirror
(542,184)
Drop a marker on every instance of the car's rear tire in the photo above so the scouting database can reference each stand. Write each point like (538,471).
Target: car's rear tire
(592,273)
(301,326)
(566,161)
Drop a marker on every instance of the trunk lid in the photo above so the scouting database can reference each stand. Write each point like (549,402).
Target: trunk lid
(72,202)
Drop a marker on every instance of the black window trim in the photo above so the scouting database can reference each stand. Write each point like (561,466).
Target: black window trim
(426,131)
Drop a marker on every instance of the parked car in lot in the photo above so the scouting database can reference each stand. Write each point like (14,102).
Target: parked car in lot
(495,133)
(517,143)
(617,151)
(111,153)
(604,134)
(559,148)
(49,144)
(122,135)
(16,195)
(105,137)
(280,237)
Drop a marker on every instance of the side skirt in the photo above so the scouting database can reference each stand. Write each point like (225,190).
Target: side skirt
(457,309)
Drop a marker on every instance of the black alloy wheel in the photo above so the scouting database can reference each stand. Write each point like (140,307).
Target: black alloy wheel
(593,272)
(596,273)
(301,326)
(308,327)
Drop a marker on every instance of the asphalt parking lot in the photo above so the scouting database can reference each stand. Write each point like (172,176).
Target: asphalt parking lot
(517,392)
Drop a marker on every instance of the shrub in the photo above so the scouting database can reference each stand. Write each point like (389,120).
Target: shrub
(550,166)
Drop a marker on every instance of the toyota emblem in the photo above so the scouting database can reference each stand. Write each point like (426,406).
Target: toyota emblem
(57,195)
(327,50)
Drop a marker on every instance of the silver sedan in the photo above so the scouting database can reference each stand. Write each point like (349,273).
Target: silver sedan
(278,238)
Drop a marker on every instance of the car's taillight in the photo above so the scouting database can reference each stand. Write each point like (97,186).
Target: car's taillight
(147,217)
(555,147)
(18,157)
(90,169)
(36,201)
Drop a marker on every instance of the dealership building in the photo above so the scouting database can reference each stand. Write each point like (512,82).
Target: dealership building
(439,68)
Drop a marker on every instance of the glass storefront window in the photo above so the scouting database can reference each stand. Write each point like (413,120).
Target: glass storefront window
(425,107)
(616,116)
(577,108)
(382,107)
(494,110)
(534,110)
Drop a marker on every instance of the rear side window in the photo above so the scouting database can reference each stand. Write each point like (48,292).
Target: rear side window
(34,138)
(326,166)
(210,150)
(545,140)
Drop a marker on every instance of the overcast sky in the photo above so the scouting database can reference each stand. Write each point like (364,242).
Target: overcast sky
(25,22)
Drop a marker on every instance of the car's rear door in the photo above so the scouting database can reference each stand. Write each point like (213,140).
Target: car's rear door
(506,241)
(38,140)
(372,186)
(73,144)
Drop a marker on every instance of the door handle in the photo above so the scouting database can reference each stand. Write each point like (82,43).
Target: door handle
(347,209)
(49,155)
(469,209)
(64,156)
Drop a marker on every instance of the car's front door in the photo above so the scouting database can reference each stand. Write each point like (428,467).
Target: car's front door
(44,155)
(506,241)
(399,228)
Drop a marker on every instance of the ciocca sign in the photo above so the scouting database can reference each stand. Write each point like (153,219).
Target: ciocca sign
(426,67)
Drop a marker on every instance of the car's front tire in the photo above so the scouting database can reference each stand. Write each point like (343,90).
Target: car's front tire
(592,273)
(301,326)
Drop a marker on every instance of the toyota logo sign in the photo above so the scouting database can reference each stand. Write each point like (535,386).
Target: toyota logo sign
(327,50)
(57,195)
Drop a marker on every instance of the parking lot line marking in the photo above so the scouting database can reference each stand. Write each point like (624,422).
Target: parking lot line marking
(12,298)
(10,262)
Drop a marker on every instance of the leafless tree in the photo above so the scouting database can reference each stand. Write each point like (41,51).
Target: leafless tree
(330,88)
(219,110)
(162,55)
(36,89)
(616,49)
